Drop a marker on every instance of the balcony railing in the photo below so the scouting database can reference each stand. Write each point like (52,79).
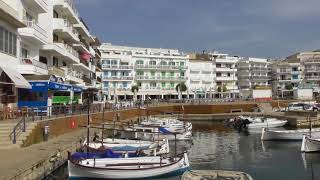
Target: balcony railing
(29,61)
(36,27)
(106,66)
(118,78)
(162,67)
(72,5)
(56,71)
(139,77)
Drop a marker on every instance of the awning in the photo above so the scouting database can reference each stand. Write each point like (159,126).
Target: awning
(18,80)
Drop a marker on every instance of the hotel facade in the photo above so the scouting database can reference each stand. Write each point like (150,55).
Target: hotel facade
(155,71)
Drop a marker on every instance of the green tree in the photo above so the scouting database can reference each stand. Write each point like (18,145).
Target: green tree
(181,87)
(135,90)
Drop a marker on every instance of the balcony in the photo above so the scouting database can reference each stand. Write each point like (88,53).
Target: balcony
(80,46)
(312,69)
(160,78)
(71,75)
(56,71)
(86,80)
(83,31)
(116,67)
(40,6)
(118,78)
(34,33)
(9,14)
(65,29)
(31,66)
(67,7)
(221,78)
(160,67)
(225,69)
(312,78)
(284,71)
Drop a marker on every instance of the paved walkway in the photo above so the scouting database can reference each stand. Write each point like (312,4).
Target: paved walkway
(18,161)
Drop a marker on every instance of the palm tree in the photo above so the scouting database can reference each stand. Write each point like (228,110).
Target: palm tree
(181,87)
(135,90)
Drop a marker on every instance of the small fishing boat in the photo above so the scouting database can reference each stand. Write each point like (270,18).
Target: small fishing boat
(128,145)
(310,144)
(128,168)
(268,134)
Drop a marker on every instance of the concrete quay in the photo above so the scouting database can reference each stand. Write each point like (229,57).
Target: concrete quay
(39,160)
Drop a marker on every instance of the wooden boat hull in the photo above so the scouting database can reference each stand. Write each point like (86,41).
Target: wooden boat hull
(127,172)
(287,134)
(310,144)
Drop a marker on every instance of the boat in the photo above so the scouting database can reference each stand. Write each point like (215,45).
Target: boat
(268,134)
(310,144)
(128,168)
(154,133)
(271,123)
(127,145)
(171,124)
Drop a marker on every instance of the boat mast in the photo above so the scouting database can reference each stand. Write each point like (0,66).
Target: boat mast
(88,127)
(310,125)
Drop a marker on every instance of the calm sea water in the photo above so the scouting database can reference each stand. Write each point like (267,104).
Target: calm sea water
(216,147)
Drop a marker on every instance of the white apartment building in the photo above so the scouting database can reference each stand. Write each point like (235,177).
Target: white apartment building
(287,75)
(201,76)
(310,63)
(10,79)
(155,71)
(51,40)
(226,75)
(253,72)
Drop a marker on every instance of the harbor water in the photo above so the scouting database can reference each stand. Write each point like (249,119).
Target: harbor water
(215,146)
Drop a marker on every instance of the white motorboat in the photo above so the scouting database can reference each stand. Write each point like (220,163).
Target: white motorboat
(310,144)
(268,134)
(127,145)
(171,124)
(128,168)
(271,123)
(154,133)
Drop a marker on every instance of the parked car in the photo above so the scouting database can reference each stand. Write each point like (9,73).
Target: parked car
(301,107)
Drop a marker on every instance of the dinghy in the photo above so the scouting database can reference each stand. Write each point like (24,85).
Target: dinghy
(128,168)
(310,144)
(170,124)
(268,134)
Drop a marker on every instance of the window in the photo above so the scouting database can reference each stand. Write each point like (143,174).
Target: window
(218,74)
(163,85)
(152,73)
(163,73)
(181,63)
(43,59)
(218,65)
(171,63)
(140,62)
(171,74)
(55,38)
(152,62)
(163,63)
(24,53)
(125,84)
(153,84)
(172,85)
(140,73)
(295,76)
(182,74)
(228,74)
(1,39)
(106,84)
(55,61)
(6,41)
(55,14)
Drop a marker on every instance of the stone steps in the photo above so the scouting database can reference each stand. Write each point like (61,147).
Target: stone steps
(7,128)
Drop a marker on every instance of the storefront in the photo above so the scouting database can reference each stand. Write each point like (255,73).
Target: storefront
(10,82)
(49,93)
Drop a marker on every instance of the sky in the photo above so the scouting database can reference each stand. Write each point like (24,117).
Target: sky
(249,28)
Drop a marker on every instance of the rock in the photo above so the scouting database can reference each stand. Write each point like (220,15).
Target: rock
(215,175)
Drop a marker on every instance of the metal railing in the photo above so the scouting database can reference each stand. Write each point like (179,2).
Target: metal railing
(106,66)
(36,27)
(19,128)
(164,67)
(29,61)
